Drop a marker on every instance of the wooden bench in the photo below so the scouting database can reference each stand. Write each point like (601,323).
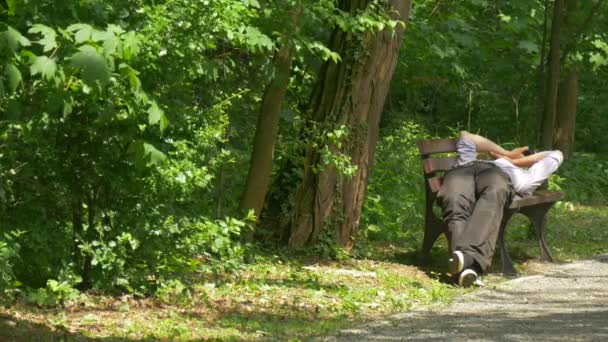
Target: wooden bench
(535,207)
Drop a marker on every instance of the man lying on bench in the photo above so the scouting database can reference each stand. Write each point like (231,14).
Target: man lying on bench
(474,194)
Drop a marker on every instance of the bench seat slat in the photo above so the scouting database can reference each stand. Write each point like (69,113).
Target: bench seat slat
(541,196)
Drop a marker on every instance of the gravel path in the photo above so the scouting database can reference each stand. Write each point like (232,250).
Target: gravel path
(567,302)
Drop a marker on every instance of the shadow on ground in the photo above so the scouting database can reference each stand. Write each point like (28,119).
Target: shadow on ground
(567,303)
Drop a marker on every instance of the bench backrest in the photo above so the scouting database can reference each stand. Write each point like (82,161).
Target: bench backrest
(434,167)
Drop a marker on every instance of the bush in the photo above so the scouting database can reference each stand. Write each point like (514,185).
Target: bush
(394,205)
(8,252)
(585,178)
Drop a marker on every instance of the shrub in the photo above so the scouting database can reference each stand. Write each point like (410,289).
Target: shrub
(395,199)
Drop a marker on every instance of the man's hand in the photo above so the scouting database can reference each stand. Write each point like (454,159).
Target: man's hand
(518,152)
(496,155)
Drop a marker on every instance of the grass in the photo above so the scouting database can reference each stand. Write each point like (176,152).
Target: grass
(271,299)
(573,232)
(287,298)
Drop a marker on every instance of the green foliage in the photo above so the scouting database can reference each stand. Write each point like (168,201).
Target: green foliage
(111,207)
(394,205)
(126,126)
(53,294)
(9,251)
(584,178)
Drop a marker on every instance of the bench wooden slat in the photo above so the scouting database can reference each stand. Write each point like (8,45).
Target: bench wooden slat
(436,146)
(541,196)
(438,164)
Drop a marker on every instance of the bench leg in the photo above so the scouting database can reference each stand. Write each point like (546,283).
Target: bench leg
(507,264)
(431,233)
(538,217)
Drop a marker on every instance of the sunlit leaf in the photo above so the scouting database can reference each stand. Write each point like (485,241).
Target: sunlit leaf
(83,32)
(93,65)
(529,46)
(130,45)
(597,60)
(156,156)
(13,39)
(256,38)
(157,116)
(44,66)
(49,36)
(13,76)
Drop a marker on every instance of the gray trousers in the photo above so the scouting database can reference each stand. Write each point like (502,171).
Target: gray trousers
(473,198)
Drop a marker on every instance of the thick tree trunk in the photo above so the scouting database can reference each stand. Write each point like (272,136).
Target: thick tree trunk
(260,168)
(351,93)
(566,114)
(550,96)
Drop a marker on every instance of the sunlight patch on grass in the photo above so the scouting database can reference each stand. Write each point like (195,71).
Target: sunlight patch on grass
(271,299)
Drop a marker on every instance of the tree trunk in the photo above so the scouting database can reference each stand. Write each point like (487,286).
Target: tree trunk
(260,168)
(350,93)
(550,98)
(566,114)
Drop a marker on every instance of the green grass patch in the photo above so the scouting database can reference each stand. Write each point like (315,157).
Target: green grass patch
(572,232)
(271,299)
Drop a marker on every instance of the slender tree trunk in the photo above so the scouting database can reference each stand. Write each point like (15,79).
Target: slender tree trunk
(260,168)
(550,98)
(221,179)
(542,75)
(350,93)
(566,114)
(90,236)
(77,232)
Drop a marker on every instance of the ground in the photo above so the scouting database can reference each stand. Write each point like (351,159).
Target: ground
(283,297)
(560,302)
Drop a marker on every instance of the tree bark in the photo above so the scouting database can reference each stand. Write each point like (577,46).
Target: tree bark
(352,93)
(566,114)
(550,98)
(260,168)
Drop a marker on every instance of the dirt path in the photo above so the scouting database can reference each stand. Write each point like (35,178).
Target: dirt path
(567,302)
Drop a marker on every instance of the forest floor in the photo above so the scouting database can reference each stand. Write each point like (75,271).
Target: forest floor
(558,302)
(287,298)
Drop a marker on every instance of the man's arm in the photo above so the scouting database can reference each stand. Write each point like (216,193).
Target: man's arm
(524,161)
(486,145)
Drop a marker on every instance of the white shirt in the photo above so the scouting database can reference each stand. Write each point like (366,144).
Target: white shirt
(524,181)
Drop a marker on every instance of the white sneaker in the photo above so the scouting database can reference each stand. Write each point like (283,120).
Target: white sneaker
(456,263)
(467,278)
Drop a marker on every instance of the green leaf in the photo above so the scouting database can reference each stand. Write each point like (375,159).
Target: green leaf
(44,66)
(12,6)
(256,38)
(13,76)
(101,36)
(597,60)
(13,39)
(116,29)
(529,46)
(504,18)
(83,32)
(130,45)
(110,45)
(156,115)
(49,36)
(144,153)
(68,106)
(93,65)
(156,156)
(252,3)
